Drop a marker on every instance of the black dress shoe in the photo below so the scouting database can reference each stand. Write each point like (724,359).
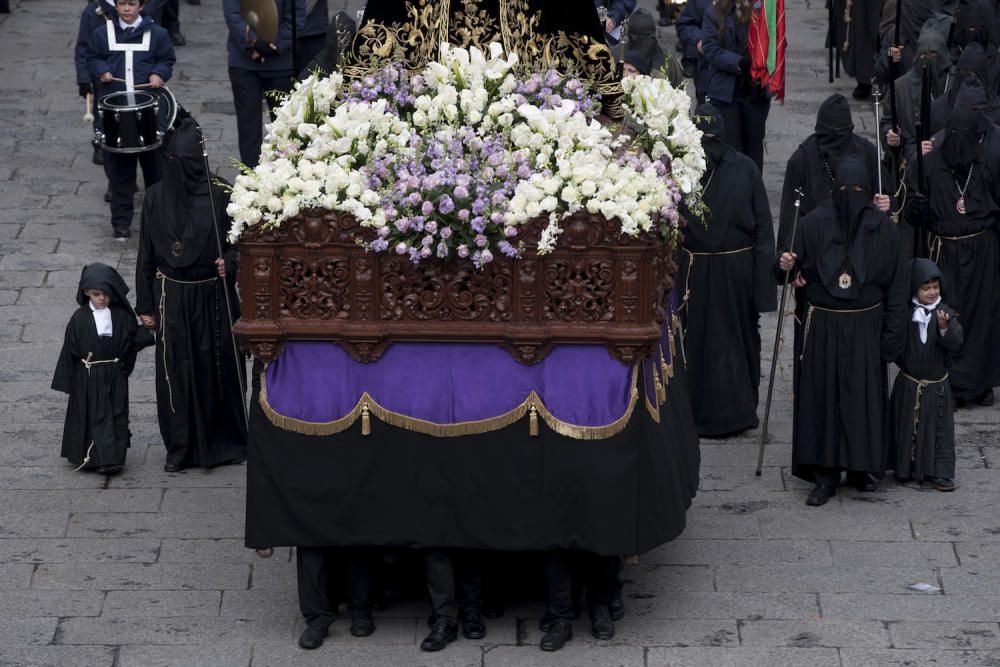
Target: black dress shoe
(170,467)
(107,195)
(177,39)
(601,625)
(312,637)
(362,623)
(941,483)
(986,398)
(557,636)
(862,91)
(108,470)
(98,157)
(442,633)
(616,607)
(821,494)
(865,483)
(472,624)
(122,233)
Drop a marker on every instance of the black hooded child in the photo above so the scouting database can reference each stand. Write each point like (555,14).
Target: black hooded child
(921,413)
(97,357)
(726,282)
(182,296)
(962,207)
(847,253)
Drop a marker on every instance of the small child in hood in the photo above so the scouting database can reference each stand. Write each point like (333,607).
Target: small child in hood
(98,354)
(922,416)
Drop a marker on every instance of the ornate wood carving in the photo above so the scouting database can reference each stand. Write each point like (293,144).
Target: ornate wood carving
(310,280)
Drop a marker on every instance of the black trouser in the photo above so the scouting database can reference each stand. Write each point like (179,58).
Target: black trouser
(170,15)
(318,569)
(745,120)
(454,581)
(598,573)
(120,169)
(249,90)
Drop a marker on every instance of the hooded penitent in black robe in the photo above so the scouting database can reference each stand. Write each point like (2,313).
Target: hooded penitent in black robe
(811,169)
(913,15)
(964,245)
(923,425)
(726,282)
(198,396)
(940,74)
(856,39)
(972,26)
(96,433)
(848,253)
(972,90)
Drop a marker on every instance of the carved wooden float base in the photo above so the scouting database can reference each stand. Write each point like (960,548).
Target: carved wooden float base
(310,280)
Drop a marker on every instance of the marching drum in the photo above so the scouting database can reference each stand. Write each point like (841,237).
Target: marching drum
(135,121)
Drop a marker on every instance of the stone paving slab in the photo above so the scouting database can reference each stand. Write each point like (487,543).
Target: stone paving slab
(148,569)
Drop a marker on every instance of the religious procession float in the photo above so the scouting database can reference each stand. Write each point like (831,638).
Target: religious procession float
(456,260)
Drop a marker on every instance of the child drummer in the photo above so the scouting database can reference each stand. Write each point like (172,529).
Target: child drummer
(127,53)
(922,417)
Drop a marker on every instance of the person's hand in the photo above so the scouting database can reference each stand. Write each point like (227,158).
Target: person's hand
(220,266)
(927,146)
(698,46)
(787,261)
(942,318)
(155,81)
(106,77)
(892,138)
(881,203)
(148,321)
(86,89)
(917,202)
(799,281)
(896,53)
(745,63)
(609,24)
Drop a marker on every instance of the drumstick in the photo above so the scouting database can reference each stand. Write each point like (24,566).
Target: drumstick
(88,117)
(138,85)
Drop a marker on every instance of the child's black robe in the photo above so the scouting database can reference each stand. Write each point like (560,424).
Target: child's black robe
(931,452)
(97,416)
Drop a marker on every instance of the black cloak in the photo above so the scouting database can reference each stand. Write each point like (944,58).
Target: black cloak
(96,433)
(921,417)
(939,69)
(198,379)
(856,39)
(964,245)
(852,327)
(726,282)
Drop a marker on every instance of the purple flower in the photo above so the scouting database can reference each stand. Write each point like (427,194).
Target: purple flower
(427,241)
(427,208)
(524,172)
(446,205)
(461,192)
(442,249)
(486,257)
(463,214)
(401,248)
(463,251)
(403,224)
(425,252)
(414,198)
(431,227)
(383,231)
(481,240)
(379,245)
(446,232)
(510,232)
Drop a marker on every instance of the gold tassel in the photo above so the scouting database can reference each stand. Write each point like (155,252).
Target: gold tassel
(366,420)
(533,421)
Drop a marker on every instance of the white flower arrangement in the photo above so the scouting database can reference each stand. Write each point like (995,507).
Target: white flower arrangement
(456,159)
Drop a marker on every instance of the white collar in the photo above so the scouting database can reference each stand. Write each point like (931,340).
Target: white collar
(102,318)
(922,315)
(121,22)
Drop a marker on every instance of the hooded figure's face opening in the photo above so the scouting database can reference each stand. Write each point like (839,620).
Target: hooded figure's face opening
(98,298)
(929,292)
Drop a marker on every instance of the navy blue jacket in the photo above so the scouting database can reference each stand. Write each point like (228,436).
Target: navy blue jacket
(239,49)
(722,57)
(618,10)
(316,23)
(688,34)
(159,59)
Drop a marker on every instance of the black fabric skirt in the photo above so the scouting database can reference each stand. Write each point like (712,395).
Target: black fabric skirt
(503,490)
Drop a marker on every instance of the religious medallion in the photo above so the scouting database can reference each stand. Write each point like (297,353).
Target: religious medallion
(960,206)
(844,282)
(176,248)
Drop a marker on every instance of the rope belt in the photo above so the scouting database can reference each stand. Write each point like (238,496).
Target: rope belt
(687,278)
(935,242)
(921,385)
(164,279)
(809,317)
(90,361)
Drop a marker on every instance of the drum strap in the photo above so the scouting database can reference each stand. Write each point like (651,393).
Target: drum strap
(129,49)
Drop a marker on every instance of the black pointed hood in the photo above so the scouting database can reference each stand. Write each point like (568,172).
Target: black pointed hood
(922,271)
(105,278)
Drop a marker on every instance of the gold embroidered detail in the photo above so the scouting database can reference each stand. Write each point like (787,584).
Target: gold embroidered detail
(533,421)
(533,403)
(472,26)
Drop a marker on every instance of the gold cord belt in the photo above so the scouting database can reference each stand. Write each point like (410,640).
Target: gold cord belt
(809,317)
(687,277)
(90,361)
(934,242)
(164,279)
(921,385)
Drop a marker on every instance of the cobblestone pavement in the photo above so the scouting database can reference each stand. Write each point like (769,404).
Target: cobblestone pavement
(149,569)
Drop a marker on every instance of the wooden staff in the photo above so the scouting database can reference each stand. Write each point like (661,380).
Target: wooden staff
(777,338)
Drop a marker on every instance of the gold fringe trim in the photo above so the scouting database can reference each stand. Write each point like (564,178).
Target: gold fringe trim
(367,407)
